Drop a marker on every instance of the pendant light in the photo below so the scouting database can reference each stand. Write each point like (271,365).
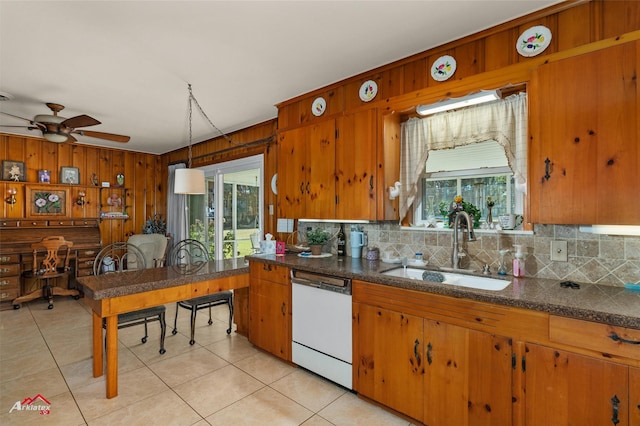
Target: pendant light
(189,181)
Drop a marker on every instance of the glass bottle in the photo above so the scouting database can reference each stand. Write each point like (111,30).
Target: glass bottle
(342,242)
(502,267)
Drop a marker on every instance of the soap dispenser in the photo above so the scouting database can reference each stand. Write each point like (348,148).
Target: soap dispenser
(518,262)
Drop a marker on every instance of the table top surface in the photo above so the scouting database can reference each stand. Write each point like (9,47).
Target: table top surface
(116,284)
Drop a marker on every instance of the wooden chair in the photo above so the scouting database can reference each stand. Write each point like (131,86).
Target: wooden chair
(120,257)
(188,256)
(53,263)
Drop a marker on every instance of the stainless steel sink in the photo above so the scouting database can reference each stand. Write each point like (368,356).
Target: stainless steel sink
(451,278)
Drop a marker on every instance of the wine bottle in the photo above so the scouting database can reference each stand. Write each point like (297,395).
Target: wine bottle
(342,242)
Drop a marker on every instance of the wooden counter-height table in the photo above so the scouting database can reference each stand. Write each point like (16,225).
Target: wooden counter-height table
(117,293)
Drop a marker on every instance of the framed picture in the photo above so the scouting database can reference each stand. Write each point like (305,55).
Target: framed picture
(13,170)
(44,201)
(44,176)
(70,175)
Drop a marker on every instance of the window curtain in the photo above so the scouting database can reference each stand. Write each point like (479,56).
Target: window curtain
(504,121)
(177,213)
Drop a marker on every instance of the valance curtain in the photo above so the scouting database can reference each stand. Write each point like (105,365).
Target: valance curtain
(504,121)
(176,207)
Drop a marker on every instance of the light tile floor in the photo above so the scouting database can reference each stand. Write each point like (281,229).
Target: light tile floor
(221,380)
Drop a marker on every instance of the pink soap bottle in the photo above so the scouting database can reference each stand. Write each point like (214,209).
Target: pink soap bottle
(518,262)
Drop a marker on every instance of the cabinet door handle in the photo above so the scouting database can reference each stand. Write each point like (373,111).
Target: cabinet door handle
(283,309)
(547,173)
(429,347)
(302,187)
(614,406)
(266,267)
(616,338)
(307,187)
(416,353)
(371,183)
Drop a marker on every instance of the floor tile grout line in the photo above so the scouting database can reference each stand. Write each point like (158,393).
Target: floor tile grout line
(75,401)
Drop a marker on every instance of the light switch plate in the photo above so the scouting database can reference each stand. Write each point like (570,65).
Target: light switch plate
(559,251)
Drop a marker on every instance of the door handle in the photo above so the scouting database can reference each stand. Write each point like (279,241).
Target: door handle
(371,183)
(416,353)
(614,407)
(283,308)
(429,347)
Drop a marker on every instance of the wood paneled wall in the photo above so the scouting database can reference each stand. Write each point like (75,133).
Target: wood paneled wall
(145,181)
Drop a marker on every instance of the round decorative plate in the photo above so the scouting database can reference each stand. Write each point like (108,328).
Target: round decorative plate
(274,184)
(533,41)
(368,90)
(318,106)
(443,68)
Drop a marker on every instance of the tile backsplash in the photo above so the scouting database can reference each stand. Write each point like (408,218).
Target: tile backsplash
(592,258)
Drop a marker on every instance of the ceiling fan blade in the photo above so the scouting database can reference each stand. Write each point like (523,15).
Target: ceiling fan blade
(101,135)
(21,127)
(15,116)
(79,121)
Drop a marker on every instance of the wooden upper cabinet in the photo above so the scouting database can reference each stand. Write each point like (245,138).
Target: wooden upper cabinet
(584,157)
(356,166)
(306,172)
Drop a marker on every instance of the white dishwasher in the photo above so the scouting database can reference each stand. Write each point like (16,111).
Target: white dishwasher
(321,325)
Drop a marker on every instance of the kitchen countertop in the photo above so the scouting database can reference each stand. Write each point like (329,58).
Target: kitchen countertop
(592,302)
(111,285)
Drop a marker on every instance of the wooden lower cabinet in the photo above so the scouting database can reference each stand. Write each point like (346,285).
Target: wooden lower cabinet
(634,396)
(564,388)
(390,358)
(449,361)
(270,309)
(467,376)
(434,372)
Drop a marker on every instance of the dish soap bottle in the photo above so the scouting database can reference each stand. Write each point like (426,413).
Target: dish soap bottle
(342,242)
(518,263)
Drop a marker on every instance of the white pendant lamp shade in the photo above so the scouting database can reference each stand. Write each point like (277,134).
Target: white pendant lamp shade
(189,181)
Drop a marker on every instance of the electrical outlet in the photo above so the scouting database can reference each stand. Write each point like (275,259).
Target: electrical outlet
(559,251)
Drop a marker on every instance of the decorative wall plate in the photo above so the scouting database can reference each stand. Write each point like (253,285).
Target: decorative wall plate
(368,90)
(274,184)
(318,106)
(533,41)
(443,68)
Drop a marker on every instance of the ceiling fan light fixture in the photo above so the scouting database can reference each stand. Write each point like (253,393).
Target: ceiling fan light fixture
(49,119)
(55,137)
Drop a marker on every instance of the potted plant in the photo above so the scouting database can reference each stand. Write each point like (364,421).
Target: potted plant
(316,238)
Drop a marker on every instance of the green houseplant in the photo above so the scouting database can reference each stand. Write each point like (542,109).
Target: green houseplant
(316,238)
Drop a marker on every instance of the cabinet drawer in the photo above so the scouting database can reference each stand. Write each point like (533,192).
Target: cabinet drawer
(87,253)
(9,270)
(9,258)
(602,338)
(33,223)
(86,222)
(9,223)
(7,295)
(9,283)
(85,272)
(67,222)
(269,272)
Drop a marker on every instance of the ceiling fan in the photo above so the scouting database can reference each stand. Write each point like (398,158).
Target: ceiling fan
(59,129)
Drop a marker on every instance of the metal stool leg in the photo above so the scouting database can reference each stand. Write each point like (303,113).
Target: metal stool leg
(230,302)
(163,331)
(193,324)
(146,334)
(175,321)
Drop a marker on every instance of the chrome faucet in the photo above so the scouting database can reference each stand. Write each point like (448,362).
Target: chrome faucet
(457,252)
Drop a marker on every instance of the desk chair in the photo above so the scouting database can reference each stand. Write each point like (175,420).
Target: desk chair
(188,256)
(46,266)
(120,257)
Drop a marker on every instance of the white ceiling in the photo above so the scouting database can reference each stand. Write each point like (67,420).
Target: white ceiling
(127,63)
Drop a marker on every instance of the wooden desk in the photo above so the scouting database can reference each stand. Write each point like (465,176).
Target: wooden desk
(118,293)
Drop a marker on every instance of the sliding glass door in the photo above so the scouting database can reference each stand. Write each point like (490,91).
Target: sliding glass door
(231,210)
